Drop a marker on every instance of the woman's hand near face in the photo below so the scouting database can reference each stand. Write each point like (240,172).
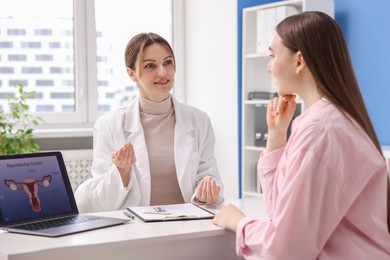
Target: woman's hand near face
(228,217)
(207,191)
(280,112)
(124,158)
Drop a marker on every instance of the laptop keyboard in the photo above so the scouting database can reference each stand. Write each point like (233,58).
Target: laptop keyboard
(57,222)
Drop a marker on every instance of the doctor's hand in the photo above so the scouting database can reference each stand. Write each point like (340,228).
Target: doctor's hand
(228,217)
(124,158)
(207,191)
(280,112)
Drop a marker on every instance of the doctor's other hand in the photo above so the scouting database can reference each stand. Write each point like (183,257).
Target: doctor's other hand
(124,158)
(228,217)
(207,191)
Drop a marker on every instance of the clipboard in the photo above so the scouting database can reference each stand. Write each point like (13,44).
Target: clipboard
(170,212)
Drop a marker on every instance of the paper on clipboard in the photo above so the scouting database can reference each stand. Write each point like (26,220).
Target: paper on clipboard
(185,211)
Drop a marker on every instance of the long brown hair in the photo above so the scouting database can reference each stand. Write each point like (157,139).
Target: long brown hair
(136,46)
(323,46)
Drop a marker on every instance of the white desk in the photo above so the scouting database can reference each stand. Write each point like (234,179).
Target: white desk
(195,239)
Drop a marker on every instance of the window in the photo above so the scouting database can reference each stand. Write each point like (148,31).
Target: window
(43,57)
(73,56)
(5,45)
(138,17)
(17,57)
(43,31)
(30,31)
(31,45)
(13,31)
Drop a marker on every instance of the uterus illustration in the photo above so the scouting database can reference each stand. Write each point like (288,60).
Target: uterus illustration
(31,187)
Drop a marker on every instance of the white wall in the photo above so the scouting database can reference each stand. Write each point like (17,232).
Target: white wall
(211,77)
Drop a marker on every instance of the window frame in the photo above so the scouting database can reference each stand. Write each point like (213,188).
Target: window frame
(80,122)
(81,26)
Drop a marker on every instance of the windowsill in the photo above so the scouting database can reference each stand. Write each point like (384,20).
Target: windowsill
(63,132)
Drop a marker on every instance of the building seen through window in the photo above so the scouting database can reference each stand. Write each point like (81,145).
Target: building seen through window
(49,55)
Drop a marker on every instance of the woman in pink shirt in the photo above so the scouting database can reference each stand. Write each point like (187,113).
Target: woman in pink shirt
(326,189)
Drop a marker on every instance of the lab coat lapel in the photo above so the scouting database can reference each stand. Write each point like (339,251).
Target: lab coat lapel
(184,140)
(132,126)
(134,134)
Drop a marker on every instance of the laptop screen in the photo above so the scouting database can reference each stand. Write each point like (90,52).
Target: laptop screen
(34,187)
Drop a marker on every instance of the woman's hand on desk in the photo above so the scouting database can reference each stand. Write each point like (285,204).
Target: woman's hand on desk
(228,217)
(207,191)
(124,158)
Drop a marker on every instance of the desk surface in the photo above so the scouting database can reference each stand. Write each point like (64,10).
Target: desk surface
(194,239)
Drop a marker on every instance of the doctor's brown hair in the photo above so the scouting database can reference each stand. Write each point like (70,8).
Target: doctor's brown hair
(135,49)
(322,44)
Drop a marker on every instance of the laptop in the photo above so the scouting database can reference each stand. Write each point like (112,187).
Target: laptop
(36,197)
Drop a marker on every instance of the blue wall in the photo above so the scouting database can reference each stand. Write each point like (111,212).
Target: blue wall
(366,27)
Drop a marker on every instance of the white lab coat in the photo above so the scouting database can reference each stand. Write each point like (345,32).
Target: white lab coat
(193,152)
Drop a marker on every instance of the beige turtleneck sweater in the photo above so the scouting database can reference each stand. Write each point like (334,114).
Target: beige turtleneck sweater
(158,121)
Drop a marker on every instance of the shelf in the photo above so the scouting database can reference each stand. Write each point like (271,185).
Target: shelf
(386,154)
(256,102)
(254,148)
(386,151)
(295,3)
(252,194)
(257,55)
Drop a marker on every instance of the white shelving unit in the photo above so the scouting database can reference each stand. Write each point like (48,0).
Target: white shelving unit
(386,154)
(255,77)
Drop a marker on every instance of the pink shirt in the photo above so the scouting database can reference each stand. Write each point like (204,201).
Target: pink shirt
(325,192)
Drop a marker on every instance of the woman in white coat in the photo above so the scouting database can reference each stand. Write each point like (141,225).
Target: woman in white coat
(155,150)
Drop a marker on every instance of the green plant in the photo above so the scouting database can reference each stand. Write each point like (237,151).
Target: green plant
(16,126)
